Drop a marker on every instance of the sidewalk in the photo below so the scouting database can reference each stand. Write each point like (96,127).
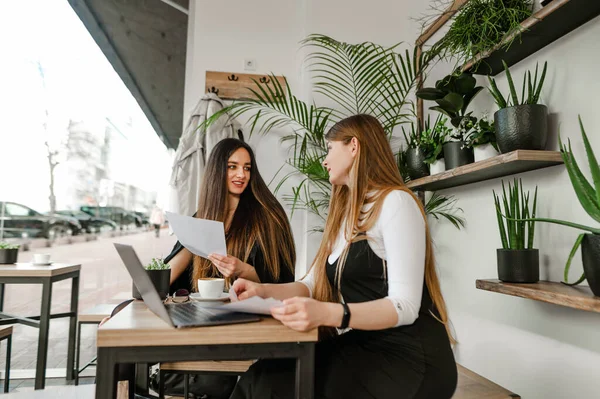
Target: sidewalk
(104,279)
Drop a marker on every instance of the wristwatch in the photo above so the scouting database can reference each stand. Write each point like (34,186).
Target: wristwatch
(346,317)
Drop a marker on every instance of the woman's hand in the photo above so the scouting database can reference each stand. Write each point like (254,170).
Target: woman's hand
(229,266)
(245,289)
(305,314)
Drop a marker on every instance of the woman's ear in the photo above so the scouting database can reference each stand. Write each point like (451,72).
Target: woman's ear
(354,144)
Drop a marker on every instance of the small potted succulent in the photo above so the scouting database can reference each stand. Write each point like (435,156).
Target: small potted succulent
(432,142)
(160,274)
(521,124)
(518,261)
(483,140)
(8,252)
(453,94)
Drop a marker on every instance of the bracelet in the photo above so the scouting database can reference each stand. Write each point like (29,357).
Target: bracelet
(346,317)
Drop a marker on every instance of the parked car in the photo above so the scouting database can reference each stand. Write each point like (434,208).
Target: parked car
(19,219)
(144,217)
(90,224)
(120,216)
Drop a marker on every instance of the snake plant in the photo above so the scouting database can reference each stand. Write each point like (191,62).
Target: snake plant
(587,194)
(520,228)
(534,88)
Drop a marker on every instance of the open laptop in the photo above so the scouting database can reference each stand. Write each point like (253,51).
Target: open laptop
(189,314)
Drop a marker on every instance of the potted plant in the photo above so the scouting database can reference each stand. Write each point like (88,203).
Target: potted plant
(518,261)
(432,142)
(415,157)
(160,274)
(480,26)
(589,198)
(483,140)
(453,94)
(521,125)
(8,252)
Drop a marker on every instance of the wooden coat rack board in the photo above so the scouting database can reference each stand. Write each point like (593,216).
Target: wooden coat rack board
(234,86)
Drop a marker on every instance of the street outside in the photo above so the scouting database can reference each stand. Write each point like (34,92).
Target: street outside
(104,279)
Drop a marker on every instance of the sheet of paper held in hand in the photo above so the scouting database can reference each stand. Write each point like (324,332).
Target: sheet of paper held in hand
(200,236)
(255,305)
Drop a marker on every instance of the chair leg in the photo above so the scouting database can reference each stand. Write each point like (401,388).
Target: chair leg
(77,353)
(161,384)
(7,371)
(186,386)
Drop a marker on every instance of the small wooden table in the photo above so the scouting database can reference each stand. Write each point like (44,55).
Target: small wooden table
(27,273)
(136,335)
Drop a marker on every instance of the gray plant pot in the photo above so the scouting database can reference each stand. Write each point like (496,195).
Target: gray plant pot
(8,256)
(161,280)
(415,163)
(590,255)
(456,154)
(523,127)
(518,265)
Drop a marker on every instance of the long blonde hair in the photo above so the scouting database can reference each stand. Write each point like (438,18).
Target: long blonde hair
(373,175)
(258,219)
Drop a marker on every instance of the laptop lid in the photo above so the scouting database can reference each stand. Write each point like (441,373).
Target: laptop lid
(142,282)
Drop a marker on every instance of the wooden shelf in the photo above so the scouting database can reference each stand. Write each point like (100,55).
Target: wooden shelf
(545,26)
(579,297)
(501,165)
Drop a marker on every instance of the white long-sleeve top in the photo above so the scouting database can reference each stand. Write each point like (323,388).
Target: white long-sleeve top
(398,237)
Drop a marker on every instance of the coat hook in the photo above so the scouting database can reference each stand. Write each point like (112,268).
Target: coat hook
(265,80)
(232,78)
(213,90)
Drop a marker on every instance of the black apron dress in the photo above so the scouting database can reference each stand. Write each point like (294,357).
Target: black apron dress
(406,362)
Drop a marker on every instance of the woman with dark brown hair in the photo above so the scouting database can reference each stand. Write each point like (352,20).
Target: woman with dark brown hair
(259,239)
(373,278)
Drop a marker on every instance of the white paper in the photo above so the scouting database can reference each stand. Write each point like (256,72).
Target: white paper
(200,236)
(254,305)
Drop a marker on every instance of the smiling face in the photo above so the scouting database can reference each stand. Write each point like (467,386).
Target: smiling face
(338,162)
(239,165)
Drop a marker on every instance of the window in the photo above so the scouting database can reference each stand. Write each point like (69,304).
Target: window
(18,210)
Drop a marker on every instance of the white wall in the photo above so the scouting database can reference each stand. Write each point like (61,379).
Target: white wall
(537,350)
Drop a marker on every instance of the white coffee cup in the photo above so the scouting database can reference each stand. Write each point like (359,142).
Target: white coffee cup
(42,259)
(211,288)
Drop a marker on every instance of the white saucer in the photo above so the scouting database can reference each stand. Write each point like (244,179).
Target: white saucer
(196,297)
(42,264)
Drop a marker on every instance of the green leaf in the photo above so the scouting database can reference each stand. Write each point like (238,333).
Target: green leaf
(594,168)
(452,102)
(464,83)
(573,251)
(430,93)
(511,85)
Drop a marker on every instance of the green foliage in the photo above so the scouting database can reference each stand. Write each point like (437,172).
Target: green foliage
(8,245)
(481,25)
(440,206)
(516,233)
(483,133)
(534,88)
(430,140)
(587,194)
(157,264)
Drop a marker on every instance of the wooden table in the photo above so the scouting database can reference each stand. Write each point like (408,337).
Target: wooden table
(136,335)
(26,273)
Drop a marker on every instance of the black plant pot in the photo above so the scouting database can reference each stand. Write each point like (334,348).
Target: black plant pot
(415,163)
(456,154)
(8,256)
(524,127)
(161,280)
(590,255)
(518,265)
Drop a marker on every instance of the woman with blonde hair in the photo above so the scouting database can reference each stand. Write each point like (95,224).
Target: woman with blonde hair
(373,278)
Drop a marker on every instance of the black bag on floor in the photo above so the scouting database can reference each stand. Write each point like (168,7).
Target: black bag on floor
(202,386)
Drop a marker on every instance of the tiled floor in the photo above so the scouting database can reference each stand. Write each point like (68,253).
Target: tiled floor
(104,279)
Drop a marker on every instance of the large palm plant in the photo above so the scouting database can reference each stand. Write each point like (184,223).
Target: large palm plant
(359,78)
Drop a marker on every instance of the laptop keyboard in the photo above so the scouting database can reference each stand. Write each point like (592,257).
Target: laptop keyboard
(191,313)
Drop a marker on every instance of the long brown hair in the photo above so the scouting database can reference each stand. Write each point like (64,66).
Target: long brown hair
(259,217)
(373,175)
